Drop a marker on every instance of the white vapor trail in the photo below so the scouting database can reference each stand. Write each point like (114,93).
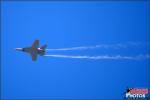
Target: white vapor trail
(103,57)
(88,47)
(113,46)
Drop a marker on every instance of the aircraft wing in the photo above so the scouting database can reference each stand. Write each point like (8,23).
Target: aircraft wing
(35,44)
(34,57)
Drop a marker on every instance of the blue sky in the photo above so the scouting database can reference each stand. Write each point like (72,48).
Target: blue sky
(74,24)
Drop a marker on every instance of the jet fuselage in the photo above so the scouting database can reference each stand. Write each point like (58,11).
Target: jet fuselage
(34,50)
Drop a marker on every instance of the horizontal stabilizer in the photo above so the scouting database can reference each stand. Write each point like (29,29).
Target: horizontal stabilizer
(43,47)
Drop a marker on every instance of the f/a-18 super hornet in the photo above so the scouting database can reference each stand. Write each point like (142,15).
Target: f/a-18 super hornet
(34,50)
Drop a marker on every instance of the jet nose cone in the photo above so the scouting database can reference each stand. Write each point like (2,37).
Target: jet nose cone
(19,49)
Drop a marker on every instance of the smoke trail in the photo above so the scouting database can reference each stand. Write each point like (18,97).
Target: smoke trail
(113,46)
(104,57)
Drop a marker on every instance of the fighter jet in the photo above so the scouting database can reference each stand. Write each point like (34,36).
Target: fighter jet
(34,50)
